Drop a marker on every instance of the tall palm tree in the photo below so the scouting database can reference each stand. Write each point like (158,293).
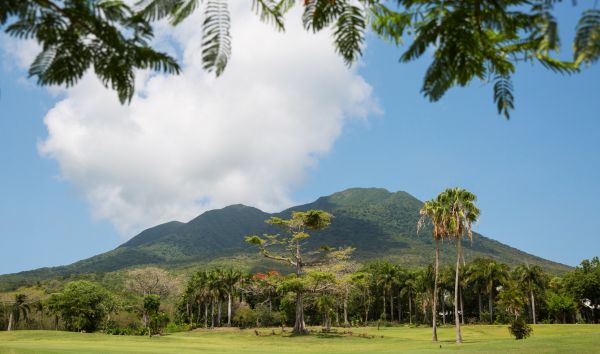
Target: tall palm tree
(434,212)
(410,288)
(476,280)
(230,280)
(495,274)
(19,309)
(532,278)
(459,215)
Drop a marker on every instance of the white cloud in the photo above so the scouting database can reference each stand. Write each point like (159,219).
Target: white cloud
(192,142)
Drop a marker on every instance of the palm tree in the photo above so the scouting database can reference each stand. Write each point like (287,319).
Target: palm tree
(495,274)
(476,280)
(230,280)
(459,215)
(19,309)
(410,288)
(532,278)
(434,212)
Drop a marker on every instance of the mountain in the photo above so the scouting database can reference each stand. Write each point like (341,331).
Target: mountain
(378,223)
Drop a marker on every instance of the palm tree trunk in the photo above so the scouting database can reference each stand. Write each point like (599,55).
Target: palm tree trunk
(228,309)
(409,308)
(212,314)
(391,307)
(480,306)
(462,311)
(399,308)
(491,305)
(443,308)
(384,307)
(219,303)
(10,322)
(199,312)
(435,290)
(533,307)
(456,318)
(205,314)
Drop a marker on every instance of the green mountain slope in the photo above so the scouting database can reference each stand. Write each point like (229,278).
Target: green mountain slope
(379,224)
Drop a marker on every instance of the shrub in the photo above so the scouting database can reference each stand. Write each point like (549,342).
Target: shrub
(173,327)
(157,323)
(520,329)
(245,317)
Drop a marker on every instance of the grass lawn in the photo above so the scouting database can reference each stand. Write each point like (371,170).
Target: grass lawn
(478,339)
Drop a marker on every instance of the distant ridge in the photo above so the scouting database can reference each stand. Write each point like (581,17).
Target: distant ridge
(378,223)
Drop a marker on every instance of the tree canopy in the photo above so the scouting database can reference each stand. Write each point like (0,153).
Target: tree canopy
(471,40)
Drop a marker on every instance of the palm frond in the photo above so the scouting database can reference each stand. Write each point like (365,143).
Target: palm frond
(587,38)
(388,24)
(319,14)
(349,33)
(154,10)
(216,36)
(558,66)
(503,95)
(272,11)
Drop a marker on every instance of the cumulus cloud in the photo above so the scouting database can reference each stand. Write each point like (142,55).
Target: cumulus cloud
(193,142)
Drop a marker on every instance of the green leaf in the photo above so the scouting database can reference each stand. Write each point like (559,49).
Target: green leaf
(349,33)
(587,38)
(503,95)
(216,37)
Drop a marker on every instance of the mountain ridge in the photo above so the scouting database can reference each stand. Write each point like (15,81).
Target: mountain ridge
(380,224)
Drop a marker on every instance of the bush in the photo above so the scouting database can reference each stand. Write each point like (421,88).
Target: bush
(520,329)
(157,323)
(244,317)
(174,327)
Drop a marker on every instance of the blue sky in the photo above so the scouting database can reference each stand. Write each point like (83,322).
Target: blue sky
(536,175)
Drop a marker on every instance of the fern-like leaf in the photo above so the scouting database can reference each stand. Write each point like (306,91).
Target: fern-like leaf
(349,33)
(587,38)
(503,95)
(319,14)
(272,11)
(216,36)
(154,10)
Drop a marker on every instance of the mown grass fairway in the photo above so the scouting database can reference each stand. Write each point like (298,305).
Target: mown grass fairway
(478,339)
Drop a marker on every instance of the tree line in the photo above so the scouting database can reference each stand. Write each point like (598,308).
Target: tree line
(349,295)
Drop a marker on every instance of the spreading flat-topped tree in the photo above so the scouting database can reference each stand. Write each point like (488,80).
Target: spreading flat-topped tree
(290,249)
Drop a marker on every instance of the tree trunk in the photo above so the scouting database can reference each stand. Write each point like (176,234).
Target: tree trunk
(199,312)
(409,308)
(219,303)
(399,308)
(10,322)
(442,300)
(435,291)
(228,310)
(462,311)
(491,305)
(391,307)
(205,314)
(480,306)
(533,307)
(299,325)
(346,324)
(456,318)
(384,307)
(212,314)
